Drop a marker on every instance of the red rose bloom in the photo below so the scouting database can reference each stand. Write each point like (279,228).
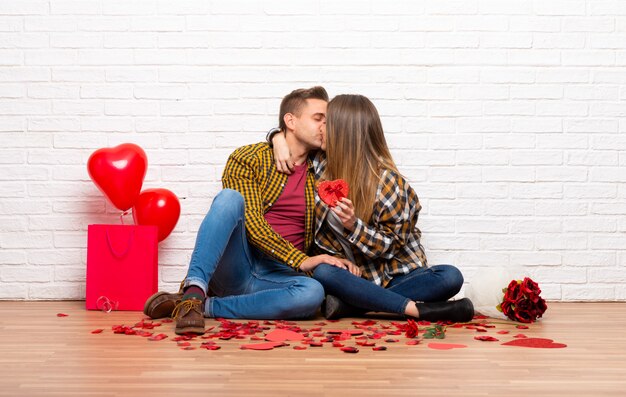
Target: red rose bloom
(530,289)
(411,329)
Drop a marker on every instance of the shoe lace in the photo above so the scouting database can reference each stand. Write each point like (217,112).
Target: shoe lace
(186,306)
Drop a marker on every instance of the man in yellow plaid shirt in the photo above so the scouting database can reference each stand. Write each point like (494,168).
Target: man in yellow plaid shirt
(250,257)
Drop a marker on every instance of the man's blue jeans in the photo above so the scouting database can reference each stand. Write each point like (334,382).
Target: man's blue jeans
(432,284)
(242,281)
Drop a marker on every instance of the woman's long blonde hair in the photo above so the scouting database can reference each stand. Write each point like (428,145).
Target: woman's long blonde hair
(356,150)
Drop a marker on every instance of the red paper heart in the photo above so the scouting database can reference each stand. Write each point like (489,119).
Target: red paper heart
(364,323)
(345,331)
(445,346)
(349,349)
(281,335)
(157,337)
(486,338)
(332,191)
(536,343)
(263,346)
(118,172)
(379,348)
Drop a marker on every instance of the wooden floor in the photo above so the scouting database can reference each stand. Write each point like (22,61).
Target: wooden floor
(42,354)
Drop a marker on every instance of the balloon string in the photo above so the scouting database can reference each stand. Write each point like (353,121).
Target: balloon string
(103,303)
(123,214)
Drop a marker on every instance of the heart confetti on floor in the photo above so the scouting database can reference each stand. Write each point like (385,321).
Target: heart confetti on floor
(445,346)
(281,335)
(367,333)
(540,343)
(263,346)
(345,331)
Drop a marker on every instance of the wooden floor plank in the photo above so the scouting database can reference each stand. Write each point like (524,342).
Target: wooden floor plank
(45,355)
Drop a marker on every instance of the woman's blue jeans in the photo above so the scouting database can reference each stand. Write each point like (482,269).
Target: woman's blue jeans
(432,284)
(242,281)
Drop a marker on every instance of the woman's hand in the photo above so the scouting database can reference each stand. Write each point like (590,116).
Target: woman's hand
(282,156)
(312,262)
(345,212)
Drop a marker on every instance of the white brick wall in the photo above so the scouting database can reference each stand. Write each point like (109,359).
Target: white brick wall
(507,116)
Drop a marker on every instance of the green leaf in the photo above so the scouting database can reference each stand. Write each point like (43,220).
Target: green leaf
(435,332)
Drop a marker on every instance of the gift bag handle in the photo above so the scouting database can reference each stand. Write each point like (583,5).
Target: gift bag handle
(117,254)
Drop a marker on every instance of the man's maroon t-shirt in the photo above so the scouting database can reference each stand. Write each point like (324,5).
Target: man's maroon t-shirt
(286,216)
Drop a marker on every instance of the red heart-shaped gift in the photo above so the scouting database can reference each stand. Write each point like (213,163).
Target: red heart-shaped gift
(332,191)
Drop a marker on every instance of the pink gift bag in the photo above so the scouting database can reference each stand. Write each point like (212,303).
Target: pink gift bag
(122,266)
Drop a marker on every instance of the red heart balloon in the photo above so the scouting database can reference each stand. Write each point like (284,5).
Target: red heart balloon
(158,207)
(332,191)
(118,172)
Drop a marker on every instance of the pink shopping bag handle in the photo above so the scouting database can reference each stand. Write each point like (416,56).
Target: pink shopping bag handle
(130,243)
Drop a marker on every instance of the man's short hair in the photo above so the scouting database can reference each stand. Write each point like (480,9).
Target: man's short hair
(293,102)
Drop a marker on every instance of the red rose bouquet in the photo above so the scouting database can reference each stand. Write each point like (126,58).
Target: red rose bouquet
(521,301)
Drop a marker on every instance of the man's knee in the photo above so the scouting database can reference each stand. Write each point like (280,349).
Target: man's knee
(228,201)
(228,196)
(312,290)
(310,295)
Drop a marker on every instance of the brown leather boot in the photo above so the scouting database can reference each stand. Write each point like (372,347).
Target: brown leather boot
(161,304)
(189,317)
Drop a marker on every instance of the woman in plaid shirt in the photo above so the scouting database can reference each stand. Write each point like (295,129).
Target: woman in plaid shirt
(375,227)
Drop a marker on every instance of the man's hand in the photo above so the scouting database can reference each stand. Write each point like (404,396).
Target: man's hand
(312,262)
(282,156)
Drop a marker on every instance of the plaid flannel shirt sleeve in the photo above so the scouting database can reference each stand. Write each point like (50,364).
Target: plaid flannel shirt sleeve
(241,174)
(396,215)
